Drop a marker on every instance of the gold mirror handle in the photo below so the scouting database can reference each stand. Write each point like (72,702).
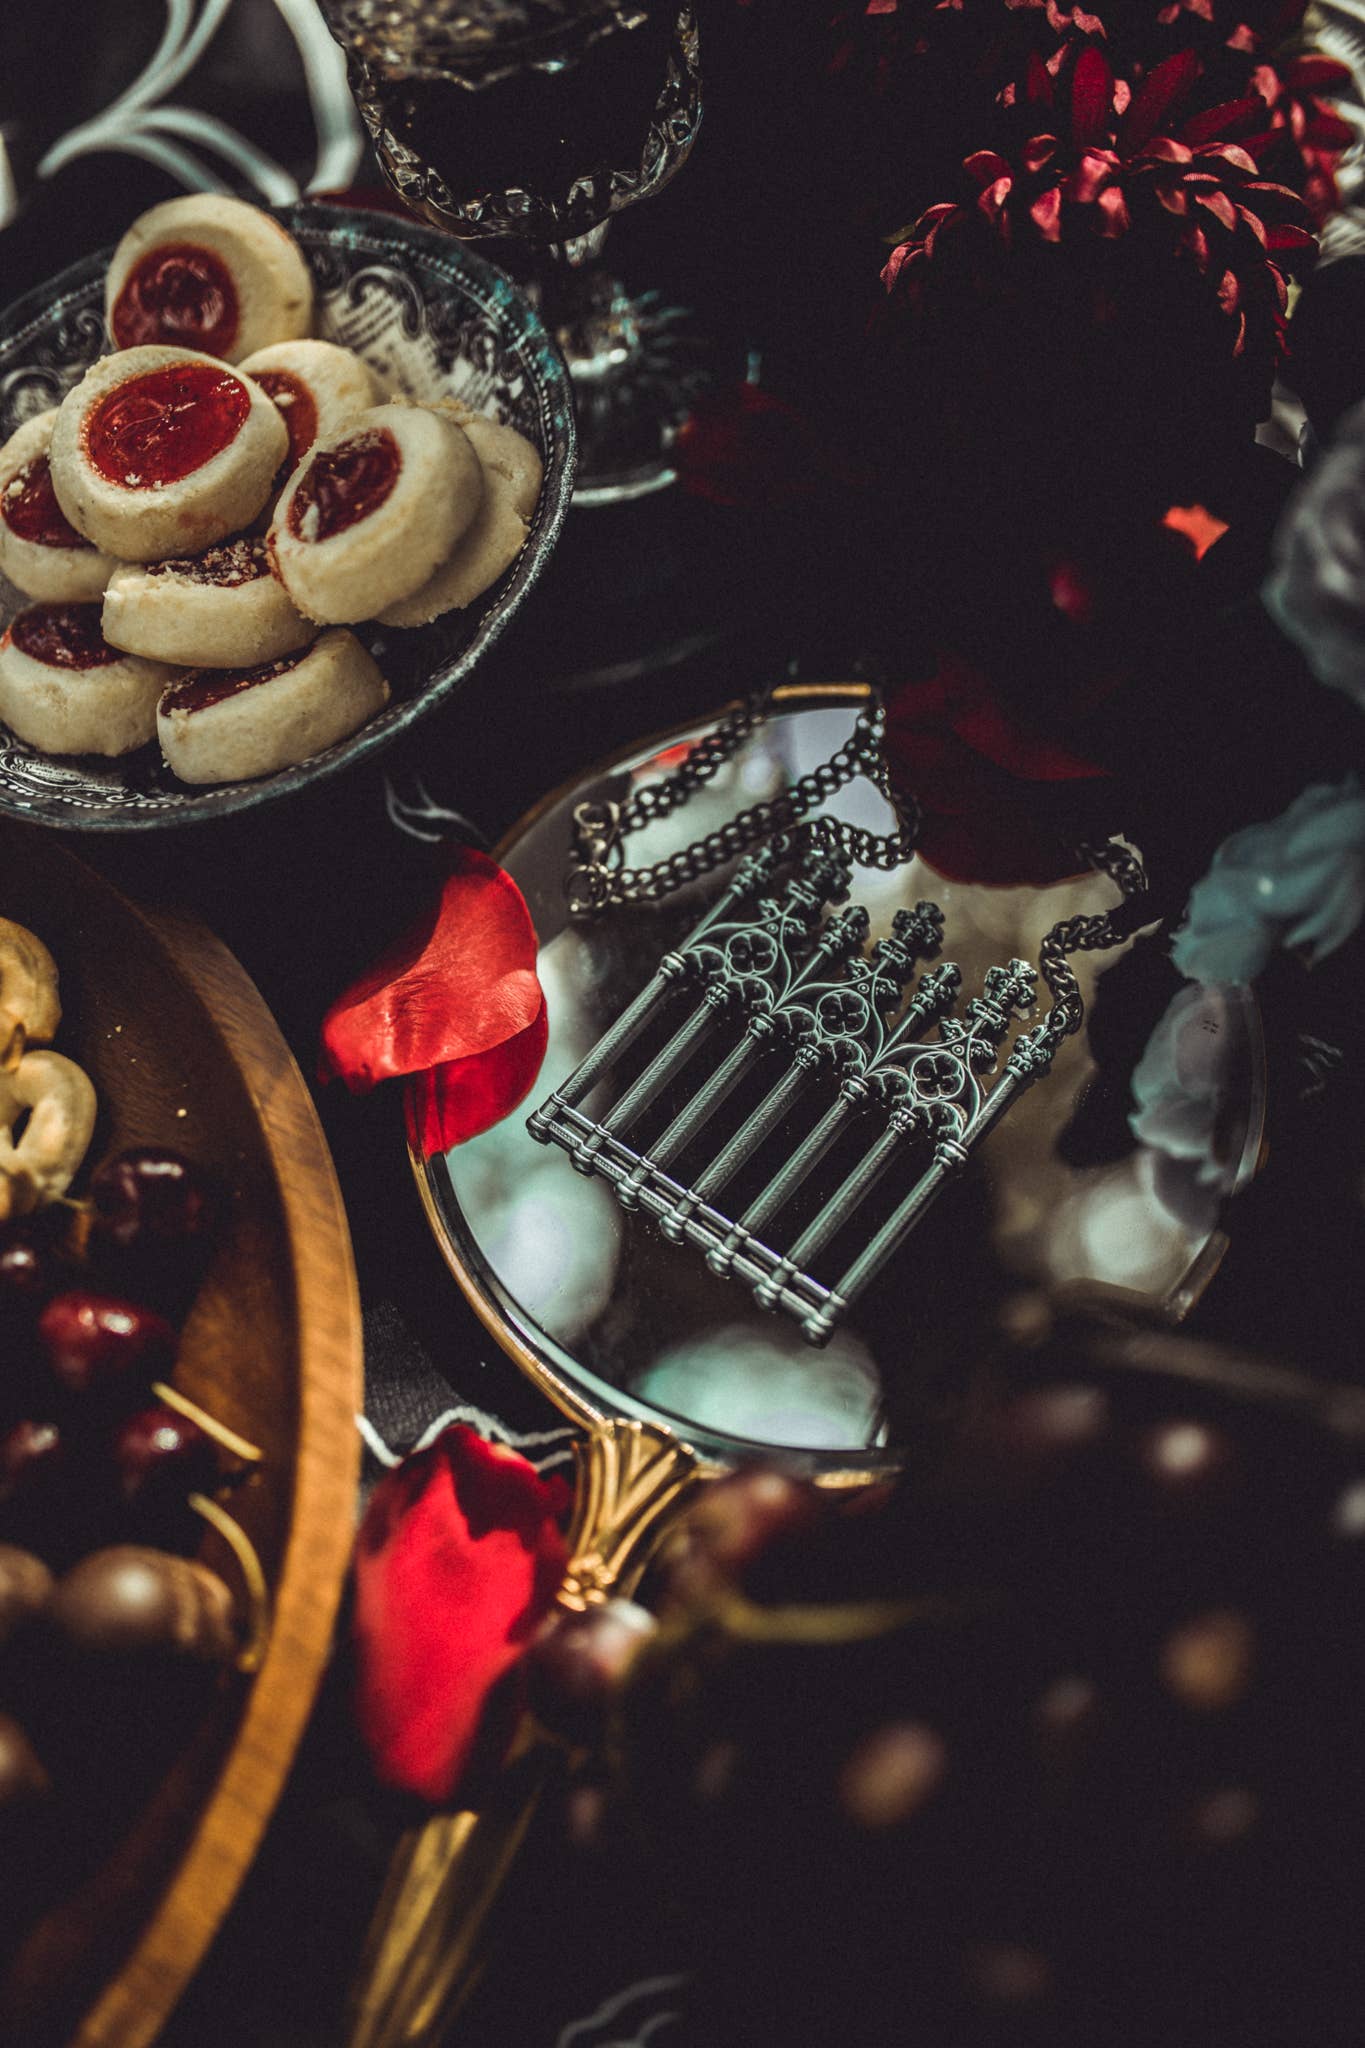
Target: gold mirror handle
(423,1951)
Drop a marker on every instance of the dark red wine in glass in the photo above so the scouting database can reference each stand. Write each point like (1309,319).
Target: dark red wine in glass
(538,120)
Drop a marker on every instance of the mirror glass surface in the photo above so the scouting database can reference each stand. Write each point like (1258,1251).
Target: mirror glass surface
(1060,1195)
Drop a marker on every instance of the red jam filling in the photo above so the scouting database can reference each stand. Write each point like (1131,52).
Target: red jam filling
(297,409)
(205,686)
(181,294)
(30,509)
(227,565)
(345,484)
(162,427)
(63,635)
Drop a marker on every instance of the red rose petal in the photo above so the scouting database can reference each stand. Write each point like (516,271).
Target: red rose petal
(457,1100)
(458,1561)
(460,983)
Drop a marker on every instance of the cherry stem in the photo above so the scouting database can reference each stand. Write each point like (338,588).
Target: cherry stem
(226,1439)
(252,1651)
(80,1226)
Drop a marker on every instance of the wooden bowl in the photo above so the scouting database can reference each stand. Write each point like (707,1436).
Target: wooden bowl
(183,1051)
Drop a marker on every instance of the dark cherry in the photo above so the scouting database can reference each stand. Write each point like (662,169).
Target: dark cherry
(150,1198)
(96,1342)
(179,293)
(577,1662)
(733,1525)
(1030,1446)
(26,1275)
(1191,1470)
(34,1467)
(162,426)
(159,1457)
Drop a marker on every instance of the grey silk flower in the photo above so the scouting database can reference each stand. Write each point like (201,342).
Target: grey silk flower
(1180,1087)
(1316,588)
(1296,880)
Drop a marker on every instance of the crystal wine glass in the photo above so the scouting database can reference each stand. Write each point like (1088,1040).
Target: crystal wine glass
(539,120)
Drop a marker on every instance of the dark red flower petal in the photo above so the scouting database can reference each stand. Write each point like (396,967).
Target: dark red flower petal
(458,1560)
(1313,73)
(1038,82)
(1162,90)
(987,787)
(1092,97)
(1230,119)
(454,1101)
(461,983)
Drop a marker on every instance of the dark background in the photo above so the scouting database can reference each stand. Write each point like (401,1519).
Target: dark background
(647,615)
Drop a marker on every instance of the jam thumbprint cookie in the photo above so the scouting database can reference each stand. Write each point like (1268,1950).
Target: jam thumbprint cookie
(511,484)
(219,609)
(65,690)
(40,550)
(161,452)
(231,725)
(211,273)
(319,389)
(371,512)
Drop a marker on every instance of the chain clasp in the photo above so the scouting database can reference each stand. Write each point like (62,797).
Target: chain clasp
(596,849)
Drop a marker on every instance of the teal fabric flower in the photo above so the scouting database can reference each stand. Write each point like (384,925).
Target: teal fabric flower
(1316,589)
(1296,880)
(1181,1087)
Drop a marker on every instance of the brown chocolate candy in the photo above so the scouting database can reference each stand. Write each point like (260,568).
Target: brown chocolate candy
(131,1601)
(25,1583)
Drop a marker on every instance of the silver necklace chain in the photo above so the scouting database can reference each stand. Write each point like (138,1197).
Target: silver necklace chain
(598,879)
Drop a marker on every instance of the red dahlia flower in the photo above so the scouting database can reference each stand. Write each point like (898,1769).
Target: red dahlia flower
(1302,137)
(1108,166)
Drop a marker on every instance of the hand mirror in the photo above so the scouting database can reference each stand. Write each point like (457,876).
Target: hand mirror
(669,1368)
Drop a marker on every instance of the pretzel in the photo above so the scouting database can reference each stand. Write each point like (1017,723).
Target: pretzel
(60,1100)
(30,1010)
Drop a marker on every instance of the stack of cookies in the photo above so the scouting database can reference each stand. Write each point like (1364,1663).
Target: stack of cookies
(218,501)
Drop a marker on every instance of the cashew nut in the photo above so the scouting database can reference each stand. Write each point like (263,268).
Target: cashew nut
(61,1103)
(30,1010)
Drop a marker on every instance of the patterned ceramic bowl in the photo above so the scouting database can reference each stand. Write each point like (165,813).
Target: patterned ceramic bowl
(434,320)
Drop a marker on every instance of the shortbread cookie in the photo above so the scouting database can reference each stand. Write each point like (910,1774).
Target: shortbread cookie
(160,452)
(220,609)
(511,456)
(511,484)
(372,511)
(40,550)
(65,690)
(229,726)
(211,273)
(318,387)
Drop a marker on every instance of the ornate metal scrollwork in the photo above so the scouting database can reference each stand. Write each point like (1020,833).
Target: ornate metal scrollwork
(777,984)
